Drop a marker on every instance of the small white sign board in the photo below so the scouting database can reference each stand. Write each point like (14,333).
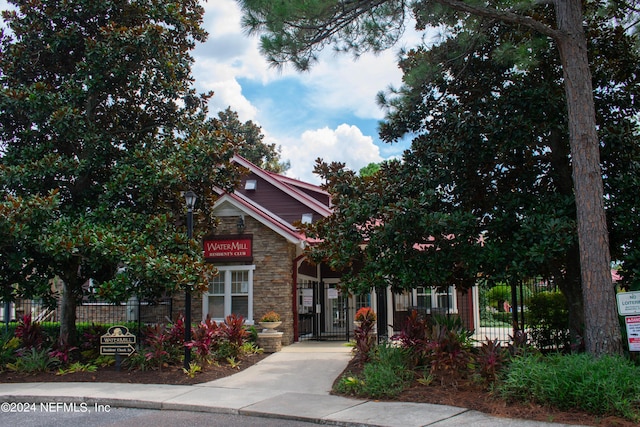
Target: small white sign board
(307,297)
(633,332)
(628,303)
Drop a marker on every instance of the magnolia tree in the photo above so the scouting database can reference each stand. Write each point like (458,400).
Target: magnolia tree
(100,133)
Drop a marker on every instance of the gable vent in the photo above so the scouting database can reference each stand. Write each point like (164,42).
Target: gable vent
(307,218)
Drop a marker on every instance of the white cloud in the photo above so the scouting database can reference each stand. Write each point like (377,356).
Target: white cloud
(341,81)
(337,86)
(345,144)
(337,81)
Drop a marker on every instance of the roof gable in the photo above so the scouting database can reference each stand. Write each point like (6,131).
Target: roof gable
(288,187)
(275,201)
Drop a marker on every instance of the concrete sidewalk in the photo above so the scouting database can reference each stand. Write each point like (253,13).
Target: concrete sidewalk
(291,384)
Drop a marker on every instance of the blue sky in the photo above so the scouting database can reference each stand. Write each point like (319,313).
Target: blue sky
(329,112)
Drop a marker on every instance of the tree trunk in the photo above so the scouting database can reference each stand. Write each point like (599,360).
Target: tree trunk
(569,284)
(68,331)
(568,279)
(602,331)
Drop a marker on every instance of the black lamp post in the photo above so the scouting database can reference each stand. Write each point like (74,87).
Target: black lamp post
(190,198)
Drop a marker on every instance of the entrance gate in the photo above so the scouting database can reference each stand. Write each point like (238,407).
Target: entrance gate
(323,312)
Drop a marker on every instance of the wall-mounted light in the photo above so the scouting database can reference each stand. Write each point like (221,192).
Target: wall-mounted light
(240,224)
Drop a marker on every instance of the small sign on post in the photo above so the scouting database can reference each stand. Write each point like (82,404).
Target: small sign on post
(117,341)
(629,307)
(633,332)
(628,303)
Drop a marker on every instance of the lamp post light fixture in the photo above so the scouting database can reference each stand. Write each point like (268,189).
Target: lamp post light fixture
(190,199)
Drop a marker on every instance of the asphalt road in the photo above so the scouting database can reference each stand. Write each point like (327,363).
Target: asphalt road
(126,417)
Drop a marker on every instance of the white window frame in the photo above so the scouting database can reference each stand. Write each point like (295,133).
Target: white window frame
(228,295)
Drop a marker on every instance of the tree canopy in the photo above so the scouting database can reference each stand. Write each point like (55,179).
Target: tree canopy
(484,193)
(251,143)
(101,132)
(295,31)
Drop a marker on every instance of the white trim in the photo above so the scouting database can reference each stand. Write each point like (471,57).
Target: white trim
(475,295)
(228,295)
(451,293)
(390,312)
(226,206)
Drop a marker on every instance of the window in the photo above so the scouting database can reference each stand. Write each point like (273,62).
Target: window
(363,300)
(250,184)
(432,298)
(230,292)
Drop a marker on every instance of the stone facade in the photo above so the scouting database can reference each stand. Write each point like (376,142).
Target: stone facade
(196,306)
(273,285)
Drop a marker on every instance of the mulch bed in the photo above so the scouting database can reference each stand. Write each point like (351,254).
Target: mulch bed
(169,375)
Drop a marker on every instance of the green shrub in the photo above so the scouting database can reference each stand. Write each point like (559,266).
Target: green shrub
(498,294)
(90,339)
(139,361)
(350,384)
(497,319)
(33,360)
(250,347)
(449,353)
(604,386)
(548,321)
(385,375)
(489,359)
(383,380)
(253,333)
(77,367)
(503,318)
(8,346)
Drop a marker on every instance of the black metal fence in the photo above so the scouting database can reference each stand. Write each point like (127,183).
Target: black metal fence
(534,307)
(133,312)
(491,312)
(323,313)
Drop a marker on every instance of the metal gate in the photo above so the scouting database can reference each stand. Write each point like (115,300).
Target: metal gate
(323,312)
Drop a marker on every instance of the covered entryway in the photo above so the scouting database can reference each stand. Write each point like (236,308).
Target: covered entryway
(323,312)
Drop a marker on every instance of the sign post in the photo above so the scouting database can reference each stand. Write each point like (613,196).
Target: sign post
(628,303)
(116,342)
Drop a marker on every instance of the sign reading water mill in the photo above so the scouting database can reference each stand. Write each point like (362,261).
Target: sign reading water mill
(228,248)
(117,341)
